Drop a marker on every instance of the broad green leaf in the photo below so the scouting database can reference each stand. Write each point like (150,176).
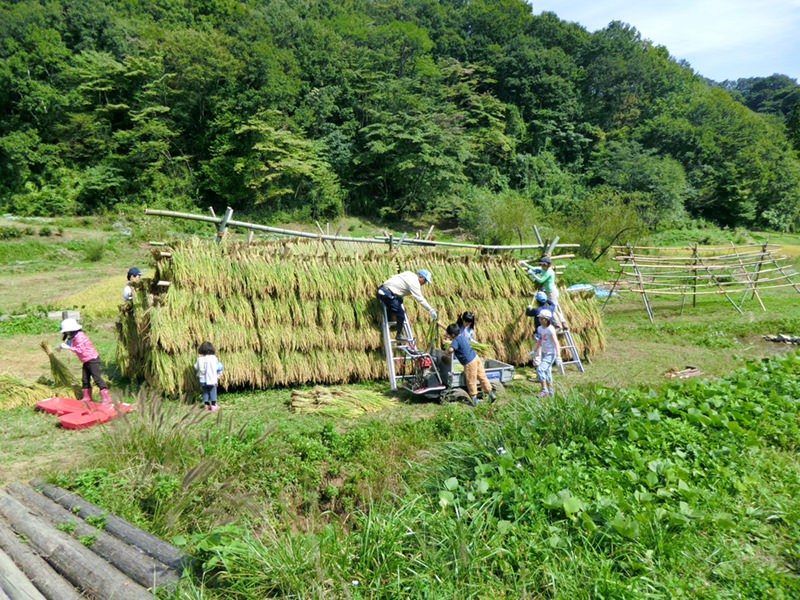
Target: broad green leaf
(625,526)
(587,522)
(724,520)
(573,505)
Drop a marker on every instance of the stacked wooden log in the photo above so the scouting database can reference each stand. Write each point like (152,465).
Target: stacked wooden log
(72,549)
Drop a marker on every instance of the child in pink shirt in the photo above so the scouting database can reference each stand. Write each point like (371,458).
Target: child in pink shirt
(77,341)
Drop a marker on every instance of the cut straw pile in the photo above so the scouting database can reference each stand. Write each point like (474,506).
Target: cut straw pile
(338,402)
(296,312)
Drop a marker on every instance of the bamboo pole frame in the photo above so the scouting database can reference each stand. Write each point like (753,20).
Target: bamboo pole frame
(707,271)
(223,223)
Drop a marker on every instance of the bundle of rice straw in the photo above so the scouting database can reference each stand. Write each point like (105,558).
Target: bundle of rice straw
(16,392)
(62,377)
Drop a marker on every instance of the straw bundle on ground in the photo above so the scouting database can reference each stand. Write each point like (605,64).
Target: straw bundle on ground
(338,402)
(298,312)
(18,392)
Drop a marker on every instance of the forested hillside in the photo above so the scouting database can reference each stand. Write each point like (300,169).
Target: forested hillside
(462,111)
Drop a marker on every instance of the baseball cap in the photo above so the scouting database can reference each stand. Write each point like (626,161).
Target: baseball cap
(541,296)
(425,274)
(133,272)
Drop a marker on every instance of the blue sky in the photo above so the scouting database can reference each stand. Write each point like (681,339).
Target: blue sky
(721,39)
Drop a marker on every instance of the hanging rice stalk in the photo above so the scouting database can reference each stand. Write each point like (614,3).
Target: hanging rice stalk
(298,312)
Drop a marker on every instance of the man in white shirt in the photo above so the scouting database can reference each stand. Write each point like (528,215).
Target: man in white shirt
(391,293)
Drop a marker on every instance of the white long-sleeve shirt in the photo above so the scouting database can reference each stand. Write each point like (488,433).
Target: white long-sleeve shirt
(207,369)
(406,283)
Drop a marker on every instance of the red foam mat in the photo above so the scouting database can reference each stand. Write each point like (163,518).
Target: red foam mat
(77,414)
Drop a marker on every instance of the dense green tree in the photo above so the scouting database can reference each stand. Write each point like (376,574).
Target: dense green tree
(776,94)
(264,164)
(605,217)
(739,162)
(661,180)
(627,79)
(394,107)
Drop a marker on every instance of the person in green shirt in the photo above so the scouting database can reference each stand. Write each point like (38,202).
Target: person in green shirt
(545,276)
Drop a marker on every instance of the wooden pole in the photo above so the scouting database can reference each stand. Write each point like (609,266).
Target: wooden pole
(678,292)
(222,226)
(613,287)
(752,281)
(783,272)
(644,293)
(79,565)
(538,237)
(143,569)
(306,234)
(52,585)
(14,584)
(722,289)
(702,248)
(154,546)
(694,268)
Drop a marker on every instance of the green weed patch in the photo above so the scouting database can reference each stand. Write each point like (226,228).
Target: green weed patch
(27,325)
(687,492)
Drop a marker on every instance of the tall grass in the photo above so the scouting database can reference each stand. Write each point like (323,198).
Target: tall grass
(690,491)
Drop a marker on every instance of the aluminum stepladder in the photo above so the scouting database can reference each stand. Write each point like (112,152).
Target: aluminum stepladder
(568,344)
(390,345)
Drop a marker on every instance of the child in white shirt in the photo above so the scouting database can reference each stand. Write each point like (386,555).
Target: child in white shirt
(547,341)
(207,366)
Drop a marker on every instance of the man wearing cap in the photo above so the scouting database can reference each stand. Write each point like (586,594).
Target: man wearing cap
(134,275)
(391,293)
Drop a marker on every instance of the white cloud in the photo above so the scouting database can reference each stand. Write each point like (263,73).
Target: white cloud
(721,39)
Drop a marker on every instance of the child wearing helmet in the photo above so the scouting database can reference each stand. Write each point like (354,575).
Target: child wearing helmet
(547,343)
(77,341)
(542,303)
(474,370)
